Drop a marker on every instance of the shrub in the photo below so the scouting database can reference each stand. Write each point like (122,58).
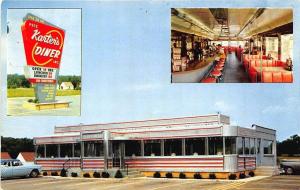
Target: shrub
(232,176)
(54,174)
(74,174)
(182,175)
(105,174)
(197,176)
(45,173)
(118,174)
(96,175)
(156,175)
(242,176)
(251,173)
(212,176)
(86,175)
(63,173)
(30,100)
(169,175)
(35,101)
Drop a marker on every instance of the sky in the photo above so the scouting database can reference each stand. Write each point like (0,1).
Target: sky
(71,56)
(126,73)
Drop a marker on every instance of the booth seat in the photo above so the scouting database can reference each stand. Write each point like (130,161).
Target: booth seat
(276,77)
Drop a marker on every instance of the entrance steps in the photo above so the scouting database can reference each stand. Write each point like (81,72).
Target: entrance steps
(266,171)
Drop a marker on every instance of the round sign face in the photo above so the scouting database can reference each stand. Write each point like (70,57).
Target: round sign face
(43,44)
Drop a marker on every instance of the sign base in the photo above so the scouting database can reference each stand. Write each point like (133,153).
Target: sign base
(46,106)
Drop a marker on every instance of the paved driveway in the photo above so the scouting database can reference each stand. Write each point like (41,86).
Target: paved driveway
(49,183)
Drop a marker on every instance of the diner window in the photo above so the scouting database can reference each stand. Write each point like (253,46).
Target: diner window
(93,149)
(286,47)
(272,46)
(230,145)
(258,146)
(215,146)
(268,147)
(66,150)
(240,144)
(195,146)
(247,146)
(132,148)
(77,150)
(51,151)
(40,153)
(173,147)
(252,146)
(152,148)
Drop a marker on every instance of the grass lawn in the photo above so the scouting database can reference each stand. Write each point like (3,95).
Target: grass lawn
(29,92)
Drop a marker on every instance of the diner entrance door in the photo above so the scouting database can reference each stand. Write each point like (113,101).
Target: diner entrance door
(118,154)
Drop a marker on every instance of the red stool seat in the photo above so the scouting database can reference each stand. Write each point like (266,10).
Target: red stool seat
(216,73)
(218,69)
(209,80)
(220,65)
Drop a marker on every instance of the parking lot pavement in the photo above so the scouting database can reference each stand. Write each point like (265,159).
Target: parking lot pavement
(282,182)
(50,183)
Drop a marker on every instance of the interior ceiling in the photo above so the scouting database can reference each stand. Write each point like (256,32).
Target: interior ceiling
(235,19)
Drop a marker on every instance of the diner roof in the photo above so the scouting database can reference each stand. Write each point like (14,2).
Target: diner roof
(229,23)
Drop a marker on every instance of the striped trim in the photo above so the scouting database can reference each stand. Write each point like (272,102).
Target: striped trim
(153,163)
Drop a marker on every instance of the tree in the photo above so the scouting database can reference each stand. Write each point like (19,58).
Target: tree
(289,146)
(15,145)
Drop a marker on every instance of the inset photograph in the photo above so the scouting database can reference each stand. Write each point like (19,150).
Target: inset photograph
(43,62)
(230,45)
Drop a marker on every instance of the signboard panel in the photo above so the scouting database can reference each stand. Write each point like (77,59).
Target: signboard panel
(40,74)
(43,44)
(45,92)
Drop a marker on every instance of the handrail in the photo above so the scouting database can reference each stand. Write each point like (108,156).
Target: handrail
(66,162)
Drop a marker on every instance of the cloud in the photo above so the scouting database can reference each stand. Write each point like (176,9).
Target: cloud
(145,87)
(222,107)
(287,105)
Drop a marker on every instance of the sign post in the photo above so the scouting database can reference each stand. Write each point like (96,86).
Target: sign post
(43,45)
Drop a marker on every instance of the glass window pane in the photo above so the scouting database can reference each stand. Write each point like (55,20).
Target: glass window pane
(247,146)
(40,151)
(215,145)
(77,150)
(230,145)
(152,148)
(132,148)
(240,142)
(173,147)
(66,150)
(268,148)
(195,146)
(51,150)
(93,149)
(252,146)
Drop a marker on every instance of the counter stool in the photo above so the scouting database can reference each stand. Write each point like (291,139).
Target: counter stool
(209,80)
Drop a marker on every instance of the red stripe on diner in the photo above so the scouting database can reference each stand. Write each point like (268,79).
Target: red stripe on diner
(215,163)
(177,159)
(174,166)
(145,126)
(142,121)
(174,162)
(166,130)
(174,137)
(56,137)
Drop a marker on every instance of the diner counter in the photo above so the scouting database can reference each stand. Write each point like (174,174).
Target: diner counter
(194,74)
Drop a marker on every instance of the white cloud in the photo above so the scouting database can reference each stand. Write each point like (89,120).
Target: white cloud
(145,87)
(286,105)
(222,107)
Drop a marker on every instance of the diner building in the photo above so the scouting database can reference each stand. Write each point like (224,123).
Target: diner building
(208,143)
